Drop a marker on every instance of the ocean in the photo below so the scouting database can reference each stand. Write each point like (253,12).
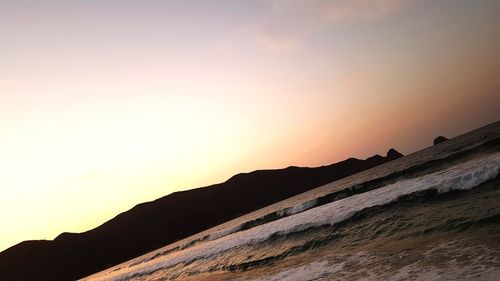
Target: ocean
(431,215)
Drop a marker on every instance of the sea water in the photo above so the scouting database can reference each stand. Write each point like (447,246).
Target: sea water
(432,215)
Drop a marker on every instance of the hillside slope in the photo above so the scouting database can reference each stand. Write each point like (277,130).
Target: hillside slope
(154,224)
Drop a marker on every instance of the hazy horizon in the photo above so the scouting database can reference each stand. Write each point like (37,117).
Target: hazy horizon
(107,104)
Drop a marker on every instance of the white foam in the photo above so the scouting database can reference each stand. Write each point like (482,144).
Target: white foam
(224,232)
(461,176)
(298,208)
(281,213)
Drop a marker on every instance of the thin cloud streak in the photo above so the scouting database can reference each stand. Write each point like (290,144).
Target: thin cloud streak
(288,23)
(342,11)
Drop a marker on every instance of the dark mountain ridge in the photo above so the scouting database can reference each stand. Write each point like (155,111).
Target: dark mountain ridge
(154,224)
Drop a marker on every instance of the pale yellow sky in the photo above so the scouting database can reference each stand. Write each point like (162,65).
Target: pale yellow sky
(107,104)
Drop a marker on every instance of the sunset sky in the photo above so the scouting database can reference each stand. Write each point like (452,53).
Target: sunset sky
(107,104)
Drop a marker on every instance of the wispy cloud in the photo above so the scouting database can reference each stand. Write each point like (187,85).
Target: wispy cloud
(289,22)
(342,11)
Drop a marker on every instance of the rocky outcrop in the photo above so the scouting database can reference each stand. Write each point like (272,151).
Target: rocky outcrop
(393,154)
(439,140)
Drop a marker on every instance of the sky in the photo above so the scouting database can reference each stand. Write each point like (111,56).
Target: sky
(107,104)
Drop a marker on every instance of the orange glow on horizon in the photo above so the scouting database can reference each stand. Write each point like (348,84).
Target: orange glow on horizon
(103,108)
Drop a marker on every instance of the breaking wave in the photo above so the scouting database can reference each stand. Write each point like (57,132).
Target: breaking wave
(462,176)
(431,165)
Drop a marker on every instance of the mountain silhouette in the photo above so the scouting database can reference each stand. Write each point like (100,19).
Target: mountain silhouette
(154,224)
